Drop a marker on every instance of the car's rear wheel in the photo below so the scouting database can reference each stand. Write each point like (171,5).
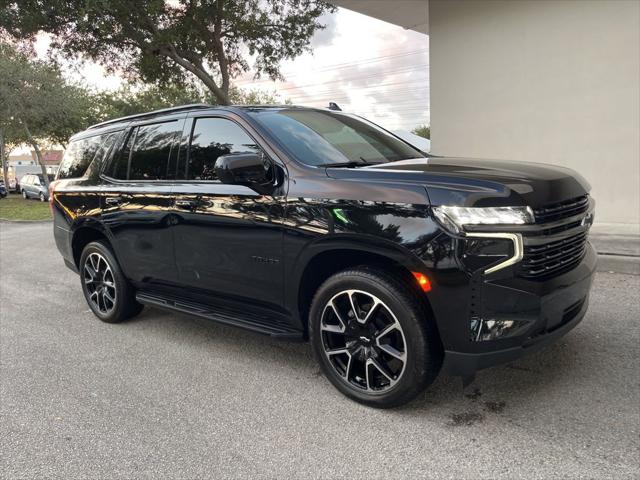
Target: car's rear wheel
(106,290)
(373,338)
(24,194)
(41,196)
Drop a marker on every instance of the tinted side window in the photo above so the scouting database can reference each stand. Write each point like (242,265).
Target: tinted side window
(79,156)
(102,153)
(121,162)
(151,151)
(211,138)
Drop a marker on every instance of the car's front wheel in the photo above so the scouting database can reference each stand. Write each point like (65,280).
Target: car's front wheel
(42,198)
(373,338)
(24,194)
(106,290)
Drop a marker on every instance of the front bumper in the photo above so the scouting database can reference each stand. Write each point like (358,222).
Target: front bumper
(550,309)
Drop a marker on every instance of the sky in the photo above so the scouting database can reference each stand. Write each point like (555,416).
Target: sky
(367,66)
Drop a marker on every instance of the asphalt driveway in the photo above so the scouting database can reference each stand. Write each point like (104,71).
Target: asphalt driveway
(168,396)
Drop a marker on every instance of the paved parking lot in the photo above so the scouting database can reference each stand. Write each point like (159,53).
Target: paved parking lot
(168,396)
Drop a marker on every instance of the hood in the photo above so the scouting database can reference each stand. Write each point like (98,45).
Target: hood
(475,182)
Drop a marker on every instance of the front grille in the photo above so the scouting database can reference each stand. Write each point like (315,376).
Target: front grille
(544,259)
(558,211)
(553,258)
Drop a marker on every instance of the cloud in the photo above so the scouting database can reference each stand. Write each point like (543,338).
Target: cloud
(325,36)
(368,67)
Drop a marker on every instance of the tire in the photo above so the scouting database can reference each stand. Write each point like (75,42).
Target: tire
(24,194)
(41,196)
(411,335)
(106,290)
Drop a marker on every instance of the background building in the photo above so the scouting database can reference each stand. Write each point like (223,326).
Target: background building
(542,81)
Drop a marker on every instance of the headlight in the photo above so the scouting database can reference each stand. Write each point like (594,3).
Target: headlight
(456,217)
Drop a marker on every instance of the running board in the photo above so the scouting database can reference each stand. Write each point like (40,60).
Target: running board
(272,325)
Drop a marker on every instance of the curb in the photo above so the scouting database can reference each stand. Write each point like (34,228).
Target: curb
(4,220)
(618,264)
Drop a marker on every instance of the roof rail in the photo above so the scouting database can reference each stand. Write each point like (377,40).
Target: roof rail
(152,113)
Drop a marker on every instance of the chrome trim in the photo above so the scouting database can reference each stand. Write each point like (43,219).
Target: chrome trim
(518,249)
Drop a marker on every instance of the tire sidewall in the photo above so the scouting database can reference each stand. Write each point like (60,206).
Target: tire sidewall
(122,292)
(24,194)
(411,320)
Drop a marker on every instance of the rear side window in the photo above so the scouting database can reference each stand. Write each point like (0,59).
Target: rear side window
(146,152)
(79,155)
(213,137)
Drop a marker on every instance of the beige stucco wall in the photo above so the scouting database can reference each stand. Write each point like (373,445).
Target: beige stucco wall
(545,81)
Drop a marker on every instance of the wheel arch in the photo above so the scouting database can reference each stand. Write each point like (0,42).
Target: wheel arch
(324,259)
(85,234)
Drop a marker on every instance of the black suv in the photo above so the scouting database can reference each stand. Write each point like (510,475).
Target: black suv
(317,225)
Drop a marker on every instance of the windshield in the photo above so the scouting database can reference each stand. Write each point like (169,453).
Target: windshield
(322,138)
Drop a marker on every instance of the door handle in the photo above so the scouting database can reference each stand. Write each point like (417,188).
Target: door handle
(113,200)
(185,204)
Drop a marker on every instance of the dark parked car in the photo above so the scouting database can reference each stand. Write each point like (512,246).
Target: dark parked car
(32,185)
(3,190)
(310,224)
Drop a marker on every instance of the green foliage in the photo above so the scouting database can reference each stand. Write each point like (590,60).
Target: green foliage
(164,42)
(14,207)
(144,98)
(423,131)
(36,103)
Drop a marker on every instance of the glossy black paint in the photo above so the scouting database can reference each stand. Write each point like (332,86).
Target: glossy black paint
(211,243)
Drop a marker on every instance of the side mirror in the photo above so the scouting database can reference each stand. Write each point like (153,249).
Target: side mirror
(250,169)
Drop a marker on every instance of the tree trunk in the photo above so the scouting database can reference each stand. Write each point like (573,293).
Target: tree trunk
(221,94)
(34,144)
(4,161)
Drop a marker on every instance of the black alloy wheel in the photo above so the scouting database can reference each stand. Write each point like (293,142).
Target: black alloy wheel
(363,340)
(106,290)
(100,283)
(373,336)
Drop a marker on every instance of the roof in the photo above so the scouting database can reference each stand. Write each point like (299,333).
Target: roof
(408,14)
(196,106)
(162,111)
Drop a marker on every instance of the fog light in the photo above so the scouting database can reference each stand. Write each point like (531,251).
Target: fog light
(482,330)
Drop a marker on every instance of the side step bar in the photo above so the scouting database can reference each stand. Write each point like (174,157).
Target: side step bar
(266,324)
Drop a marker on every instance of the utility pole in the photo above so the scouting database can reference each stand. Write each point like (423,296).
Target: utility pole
(4,161)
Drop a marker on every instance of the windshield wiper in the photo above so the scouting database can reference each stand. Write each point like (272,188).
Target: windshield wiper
(352,164)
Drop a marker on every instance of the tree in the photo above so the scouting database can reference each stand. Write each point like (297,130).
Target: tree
(162,41)
(36,103)
(423,131)
(133,99)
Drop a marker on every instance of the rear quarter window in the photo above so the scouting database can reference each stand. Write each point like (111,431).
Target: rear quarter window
(84,156)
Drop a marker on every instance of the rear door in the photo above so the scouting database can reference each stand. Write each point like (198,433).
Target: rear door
(24,184)
(228,238)
(137,201)
(30,185)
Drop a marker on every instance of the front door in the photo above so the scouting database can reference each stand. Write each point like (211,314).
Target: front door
(228,238)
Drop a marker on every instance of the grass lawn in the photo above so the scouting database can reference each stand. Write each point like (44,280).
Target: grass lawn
(14,207)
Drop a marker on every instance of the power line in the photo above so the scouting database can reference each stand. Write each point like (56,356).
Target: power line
(411,95)
(348,79)
(340,66)
(418,85)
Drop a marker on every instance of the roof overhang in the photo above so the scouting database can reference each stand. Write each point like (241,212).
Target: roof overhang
(409,14)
